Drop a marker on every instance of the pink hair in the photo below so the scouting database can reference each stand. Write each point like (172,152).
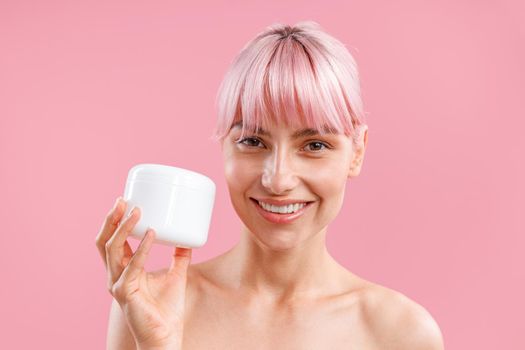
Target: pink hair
(296,75)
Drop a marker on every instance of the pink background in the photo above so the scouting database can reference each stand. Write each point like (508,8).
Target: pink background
(89,89)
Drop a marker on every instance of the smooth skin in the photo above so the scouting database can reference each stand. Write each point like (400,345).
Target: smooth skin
(278,287)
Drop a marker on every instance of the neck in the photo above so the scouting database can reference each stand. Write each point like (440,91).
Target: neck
(305,270)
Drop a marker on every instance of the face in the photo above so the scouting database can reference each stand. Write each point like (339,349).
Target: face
(282,163)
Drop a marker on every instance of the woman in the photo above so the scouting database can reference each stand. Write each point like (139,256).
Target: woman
(292,133)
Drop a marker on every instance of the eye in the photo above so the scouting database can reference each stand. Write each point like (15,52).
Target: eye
(318,146)
(252,141)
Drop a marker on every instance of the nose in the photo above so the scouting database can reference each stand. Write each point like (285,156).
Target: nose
(279,176)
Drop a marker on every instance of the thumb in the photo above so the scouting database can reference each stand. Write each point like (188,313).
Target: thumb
(180,261)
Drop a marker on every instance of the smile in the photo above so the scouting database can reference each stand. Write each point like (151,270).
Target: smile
(280,214)
(286,209)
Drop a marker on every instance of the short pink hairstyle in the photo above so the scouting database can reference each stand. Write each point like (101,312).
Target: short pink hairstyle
(296,75)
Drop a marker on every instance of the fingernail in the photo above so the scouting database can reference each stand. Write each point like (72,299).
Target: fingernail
(134,209)
(116,203)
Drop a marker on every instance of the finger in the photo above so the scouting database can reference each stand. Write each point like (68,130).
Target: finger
(109,226)
(116,246)
(137,261)
(128,253)
(180,261)
(127,224)
(124,258)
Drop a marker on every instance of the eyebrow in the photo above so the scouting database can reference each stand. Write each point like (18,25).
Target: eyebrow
(298,134)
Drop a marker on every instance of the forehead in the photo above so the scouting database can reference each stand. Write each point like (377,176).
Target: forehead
(303,132)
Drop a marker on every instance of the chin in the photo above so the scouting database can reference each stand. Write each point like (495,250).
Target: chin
(278,240)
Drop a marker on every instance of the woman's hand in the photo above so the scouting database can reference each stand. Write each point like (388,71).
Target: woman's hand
(153,303)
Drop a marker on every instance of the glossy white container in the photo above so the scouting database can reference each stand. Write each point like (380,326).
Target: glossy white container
(177,203)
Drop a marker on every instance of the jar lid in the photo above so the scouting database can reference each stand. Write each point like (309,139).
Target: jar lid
(170,175)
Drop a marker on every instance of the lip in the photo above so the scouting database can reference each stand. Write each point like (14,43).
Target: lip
(281,202)
(280,218)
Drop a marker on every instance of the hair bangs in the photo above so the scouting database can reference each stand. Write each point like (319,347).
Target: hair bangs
(290,76)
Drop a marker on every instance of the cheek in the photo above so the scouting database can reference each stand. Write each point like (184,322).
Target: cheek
(239,173)
(328,182)
(329,174)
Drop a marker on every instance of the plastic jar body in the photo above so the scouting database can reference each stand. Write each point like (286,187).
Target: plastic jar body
(175,202)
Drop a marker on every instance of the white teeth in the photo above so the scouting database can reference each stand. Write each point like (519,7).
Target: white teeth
(286,209)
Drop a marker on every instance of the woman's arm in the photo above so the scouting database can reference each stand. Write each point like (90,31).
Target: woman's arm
(150,304)
(119,336)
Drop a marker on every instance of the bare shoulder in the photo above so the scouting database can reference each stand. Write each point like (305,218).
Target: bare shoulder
(397,322)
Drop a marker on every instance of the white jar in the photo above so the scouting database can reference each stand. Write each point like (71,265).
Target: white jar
(175,202)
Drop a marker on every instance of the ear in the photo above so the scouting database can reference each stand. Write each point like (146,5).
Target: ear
(359,147)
